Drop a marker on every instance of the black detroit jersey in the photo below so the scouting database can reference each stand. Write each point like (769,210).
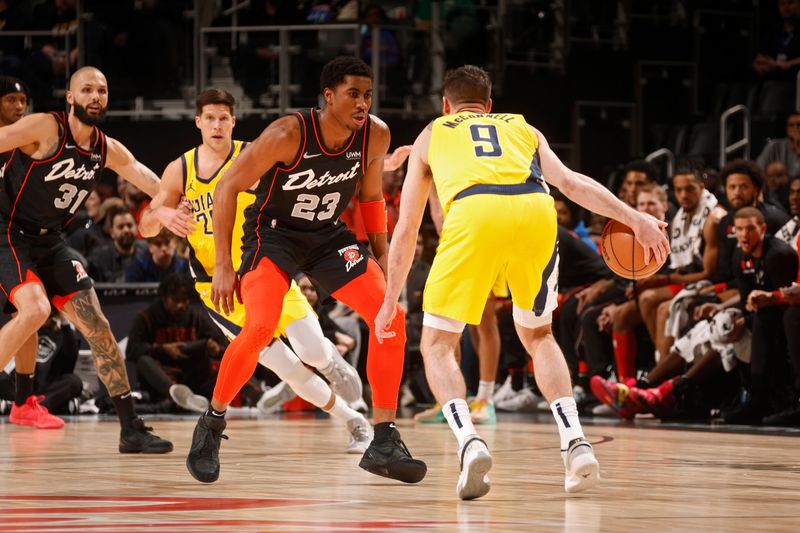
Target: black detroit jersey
(44,194)
(315,189)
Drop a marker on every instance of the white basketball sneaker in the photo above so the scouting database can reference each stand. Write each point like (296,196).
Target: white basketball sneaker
(360,435)
(273,399)
(343,378)
(582,468)
(475,465)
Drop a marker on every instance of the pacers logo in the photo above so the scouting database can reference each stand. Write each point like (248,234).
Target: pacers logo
(351,255)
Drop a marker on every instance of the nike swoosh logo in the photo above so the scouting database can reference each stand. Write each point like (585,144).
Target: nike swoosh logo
(306,155)
(69,146)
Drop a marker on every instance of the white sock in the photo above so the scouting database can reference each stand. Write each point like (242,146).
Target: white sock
(342,411)
(457,414)
(566,414)
(485,391)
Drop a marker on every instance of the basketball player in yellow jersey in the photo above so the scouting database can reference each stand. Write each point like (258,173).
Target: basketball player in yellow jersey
(194,176)
(490,172)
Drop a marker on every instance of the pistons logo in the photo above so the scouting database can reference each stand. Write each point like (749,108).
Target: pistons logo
(351,255)
(79,270)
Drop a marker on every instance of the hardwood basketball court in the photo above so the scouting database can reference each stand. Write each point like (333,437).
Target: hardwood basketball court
(291,474)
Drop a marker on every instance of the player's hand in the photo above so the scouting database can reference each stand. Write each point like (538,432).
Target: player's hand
(758,299)
(174,350)
(383,321)
(587,295)
(178,221)
(706,310)
(224,285)
(606,317)
(649,232)
(397,158)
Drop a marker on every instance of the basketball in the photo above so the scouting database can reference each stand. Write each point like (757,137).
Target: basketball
(623,254)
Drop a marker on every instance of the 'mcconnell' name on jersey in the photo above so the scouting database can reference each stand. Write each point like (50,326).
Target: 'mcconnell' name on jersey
(46,193)
(317,189)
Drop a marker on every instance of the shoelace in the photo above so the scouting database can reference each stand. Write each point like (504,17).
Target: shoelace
(403,445)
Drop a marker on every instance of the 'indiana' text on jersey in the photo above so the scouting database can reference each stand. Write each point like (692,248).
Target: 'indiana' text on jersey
(199,191)
(44,194)
(315,189)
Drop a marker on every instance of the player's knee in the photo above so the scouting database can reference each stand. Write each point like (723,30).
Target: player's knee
(648,299)
(35,313)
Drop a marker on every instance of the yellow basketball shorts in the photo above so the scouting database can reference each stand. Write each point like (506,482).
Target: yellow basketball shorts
(295,306)
(488,238)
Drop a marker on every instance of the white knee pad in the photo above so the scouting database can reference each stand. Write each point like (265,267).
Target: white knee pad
(528,319)
(309,343)
(281,360)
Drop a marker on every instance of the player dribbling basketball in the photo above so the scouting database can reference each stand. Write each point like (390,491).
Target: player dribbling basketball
(490,171)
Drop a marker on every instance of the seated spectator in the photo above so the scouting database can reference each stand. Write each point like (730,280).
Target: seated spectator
(54,379)
(776,185)
(135,200)
(784,150)
(13,104)
(174,345)
(156,262)
(85,232)
(791,230)
(636,174)
(568,216)
(762,265)
(779,52)
(109,262)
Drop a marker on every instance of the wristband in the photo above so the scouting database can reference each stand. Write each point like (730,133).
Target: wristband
(779,297)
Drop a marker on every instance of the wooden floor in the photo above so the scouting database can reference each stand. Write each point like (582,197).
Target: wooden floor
(292,475)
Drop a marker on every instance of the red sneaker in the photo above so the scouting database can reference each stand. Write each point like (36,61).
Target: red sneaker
(33,414)
(616,396)
(659,401)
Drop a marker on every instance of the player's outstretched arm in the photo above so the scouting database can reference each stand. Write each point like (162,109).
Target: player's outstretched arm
(279,142)
(371,190)
(38,131)
(416,190)
(163,209)
(592,195)
(121,160)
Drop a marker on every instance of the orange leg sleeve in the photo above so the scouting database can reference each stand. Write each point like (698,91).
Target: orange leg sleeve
(263,290)
(384,361)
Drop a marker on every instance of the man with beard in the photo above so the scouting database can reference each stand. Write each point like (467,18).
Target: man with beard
(108,263)
(55,163)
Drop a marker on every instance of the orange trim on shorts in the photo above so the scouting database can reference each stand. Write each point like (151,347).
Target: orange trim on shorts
(30,277)
(59,301)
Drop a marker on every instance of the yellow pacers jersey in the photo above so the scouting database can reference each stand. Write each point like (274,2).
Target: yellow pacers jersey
(200,193)
(469,148)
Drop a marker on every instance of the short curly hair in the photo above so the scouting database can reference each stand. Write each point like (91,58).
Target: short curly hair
(743,166)
(335,70)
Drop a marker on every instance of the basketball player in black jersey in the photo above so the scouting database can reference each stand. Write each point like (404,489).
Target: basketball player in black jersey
(26,409)
(308,166)
(55,161)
